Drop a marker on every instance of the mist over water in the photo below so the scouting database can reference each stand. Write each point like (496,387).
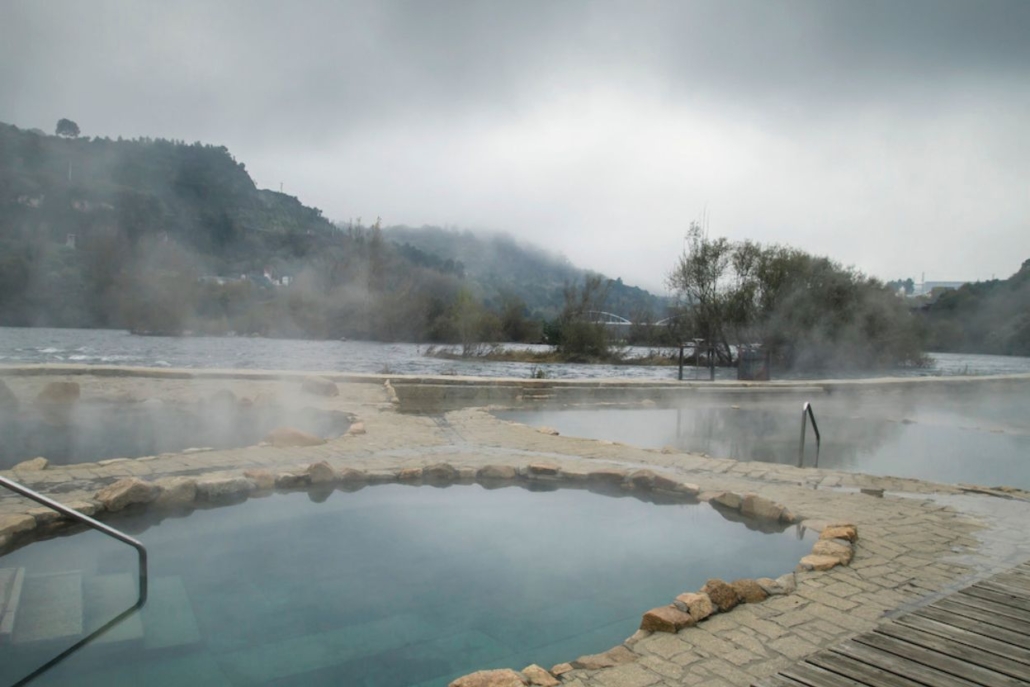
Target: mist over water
(31,346)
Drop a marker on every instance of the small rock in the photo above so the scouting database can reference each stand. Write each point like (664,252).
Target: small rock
(262,479)
(610,476)
(320,473)
(505,677)
(813,562)
(176,491)
(59,392)
(848,532)
(498,472)
(869,491)
(749,591)
(542,470)
(352,476)
(213,488)
(838,548)
(644,479)
(665,619)
(288,436)
(126,492)
(561,668)
(729,499)
(319,386)
(13,524)
(779,587)
(550,431)
(441,472)
(356,429)
(538,676)
(699,606)
(721,594)
(758,507)
(39,463)
(612,657)
(290,480)
(409,474)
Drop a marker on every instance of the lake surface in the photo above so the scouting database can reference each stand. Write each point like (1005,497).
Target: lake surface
(389,586)
(21,346)
(972,435)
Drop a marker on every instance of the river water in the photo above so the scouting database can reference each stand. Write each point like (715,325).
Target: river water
(23,346)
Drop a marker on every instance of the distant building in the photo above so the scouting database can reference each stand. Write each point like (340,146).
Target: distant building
(928,286)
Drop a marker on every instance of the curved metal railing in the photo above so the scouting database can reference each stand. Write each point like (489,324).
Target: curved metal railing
(806,415)
(89,522)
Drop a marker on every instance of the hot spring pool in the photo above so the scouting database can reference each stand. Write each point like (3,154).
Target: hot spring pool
(388,586)
(966,438)
(98,430)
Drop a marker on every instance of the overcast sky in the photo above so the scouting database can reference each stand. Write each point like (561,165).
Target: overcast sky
(890,135)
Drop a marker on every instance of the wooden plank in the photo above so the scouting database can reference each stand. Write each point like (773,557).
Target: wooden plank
(1015,581)
(970,639)
(814,676)
(867,674)
(978,626)
(990,606)
(1000,586)
(927,675)
(776,681)
(981,592)
(939,661)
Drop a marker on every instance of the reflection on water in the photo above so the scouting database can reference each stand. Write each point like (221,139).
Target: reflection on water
(391,586)
(959,437)
(112,347)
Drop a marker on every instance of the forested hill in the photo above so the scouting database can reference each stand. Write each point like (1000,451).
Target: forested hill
(983,317)
(162,236)
(502,265)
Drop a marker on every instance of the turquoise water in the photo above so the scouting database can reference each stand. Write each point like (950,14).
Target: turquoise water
(388,586)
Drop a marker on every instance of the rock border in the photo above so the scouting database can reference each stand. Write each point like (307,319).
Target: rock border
(835,545)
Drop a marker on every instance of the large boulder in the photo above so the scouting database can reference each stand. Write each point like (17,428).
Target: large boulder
(441,472)
(837,548)
(814,562)
(319,386)
(749,591)
(758,507)
(699,606)
(612,657)
(217,487)
(722,595)
(729,499)
(665,619)
(505,677)
(320,473)
(288,436)
(176,491)
(263,479)
(39,463)
(59,392)
(538,675)
(848,532)
(127,492)
(496,472)
(13,524)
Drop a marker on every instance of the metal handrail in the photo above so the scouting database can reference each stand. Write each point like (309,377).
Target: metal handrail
(95,524)
(807,414)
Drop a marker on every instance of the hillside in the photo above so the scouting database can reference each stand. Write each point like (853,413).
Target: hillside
(162,236)
(983,317)
(501,264)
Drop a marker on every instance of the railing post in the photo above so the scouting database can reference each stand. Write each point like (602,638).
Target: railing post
(806,415)
(90,522)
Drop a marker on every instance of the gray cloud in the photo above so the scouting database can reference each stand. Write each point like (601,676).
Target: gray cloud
(601,128)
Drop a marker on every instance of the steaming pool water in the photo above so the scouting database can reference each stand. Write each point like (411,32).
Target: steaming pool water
(96,430)
(954,438)
(388,586)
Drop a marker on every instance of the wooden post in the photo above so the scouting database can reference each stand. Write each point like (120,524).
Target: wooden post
(681,362)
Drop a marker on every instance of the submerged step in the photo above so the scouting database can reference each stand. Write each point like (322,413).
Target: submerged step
(11,581)
(168,618)
(50,607)
(104,598)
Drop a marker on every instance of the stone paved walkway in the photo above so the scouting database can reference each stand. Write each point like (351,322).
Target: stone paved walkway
(916,542)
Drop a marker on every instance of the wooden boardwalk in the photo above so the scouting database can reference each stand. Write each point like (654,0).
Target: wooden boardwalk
(977,636)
